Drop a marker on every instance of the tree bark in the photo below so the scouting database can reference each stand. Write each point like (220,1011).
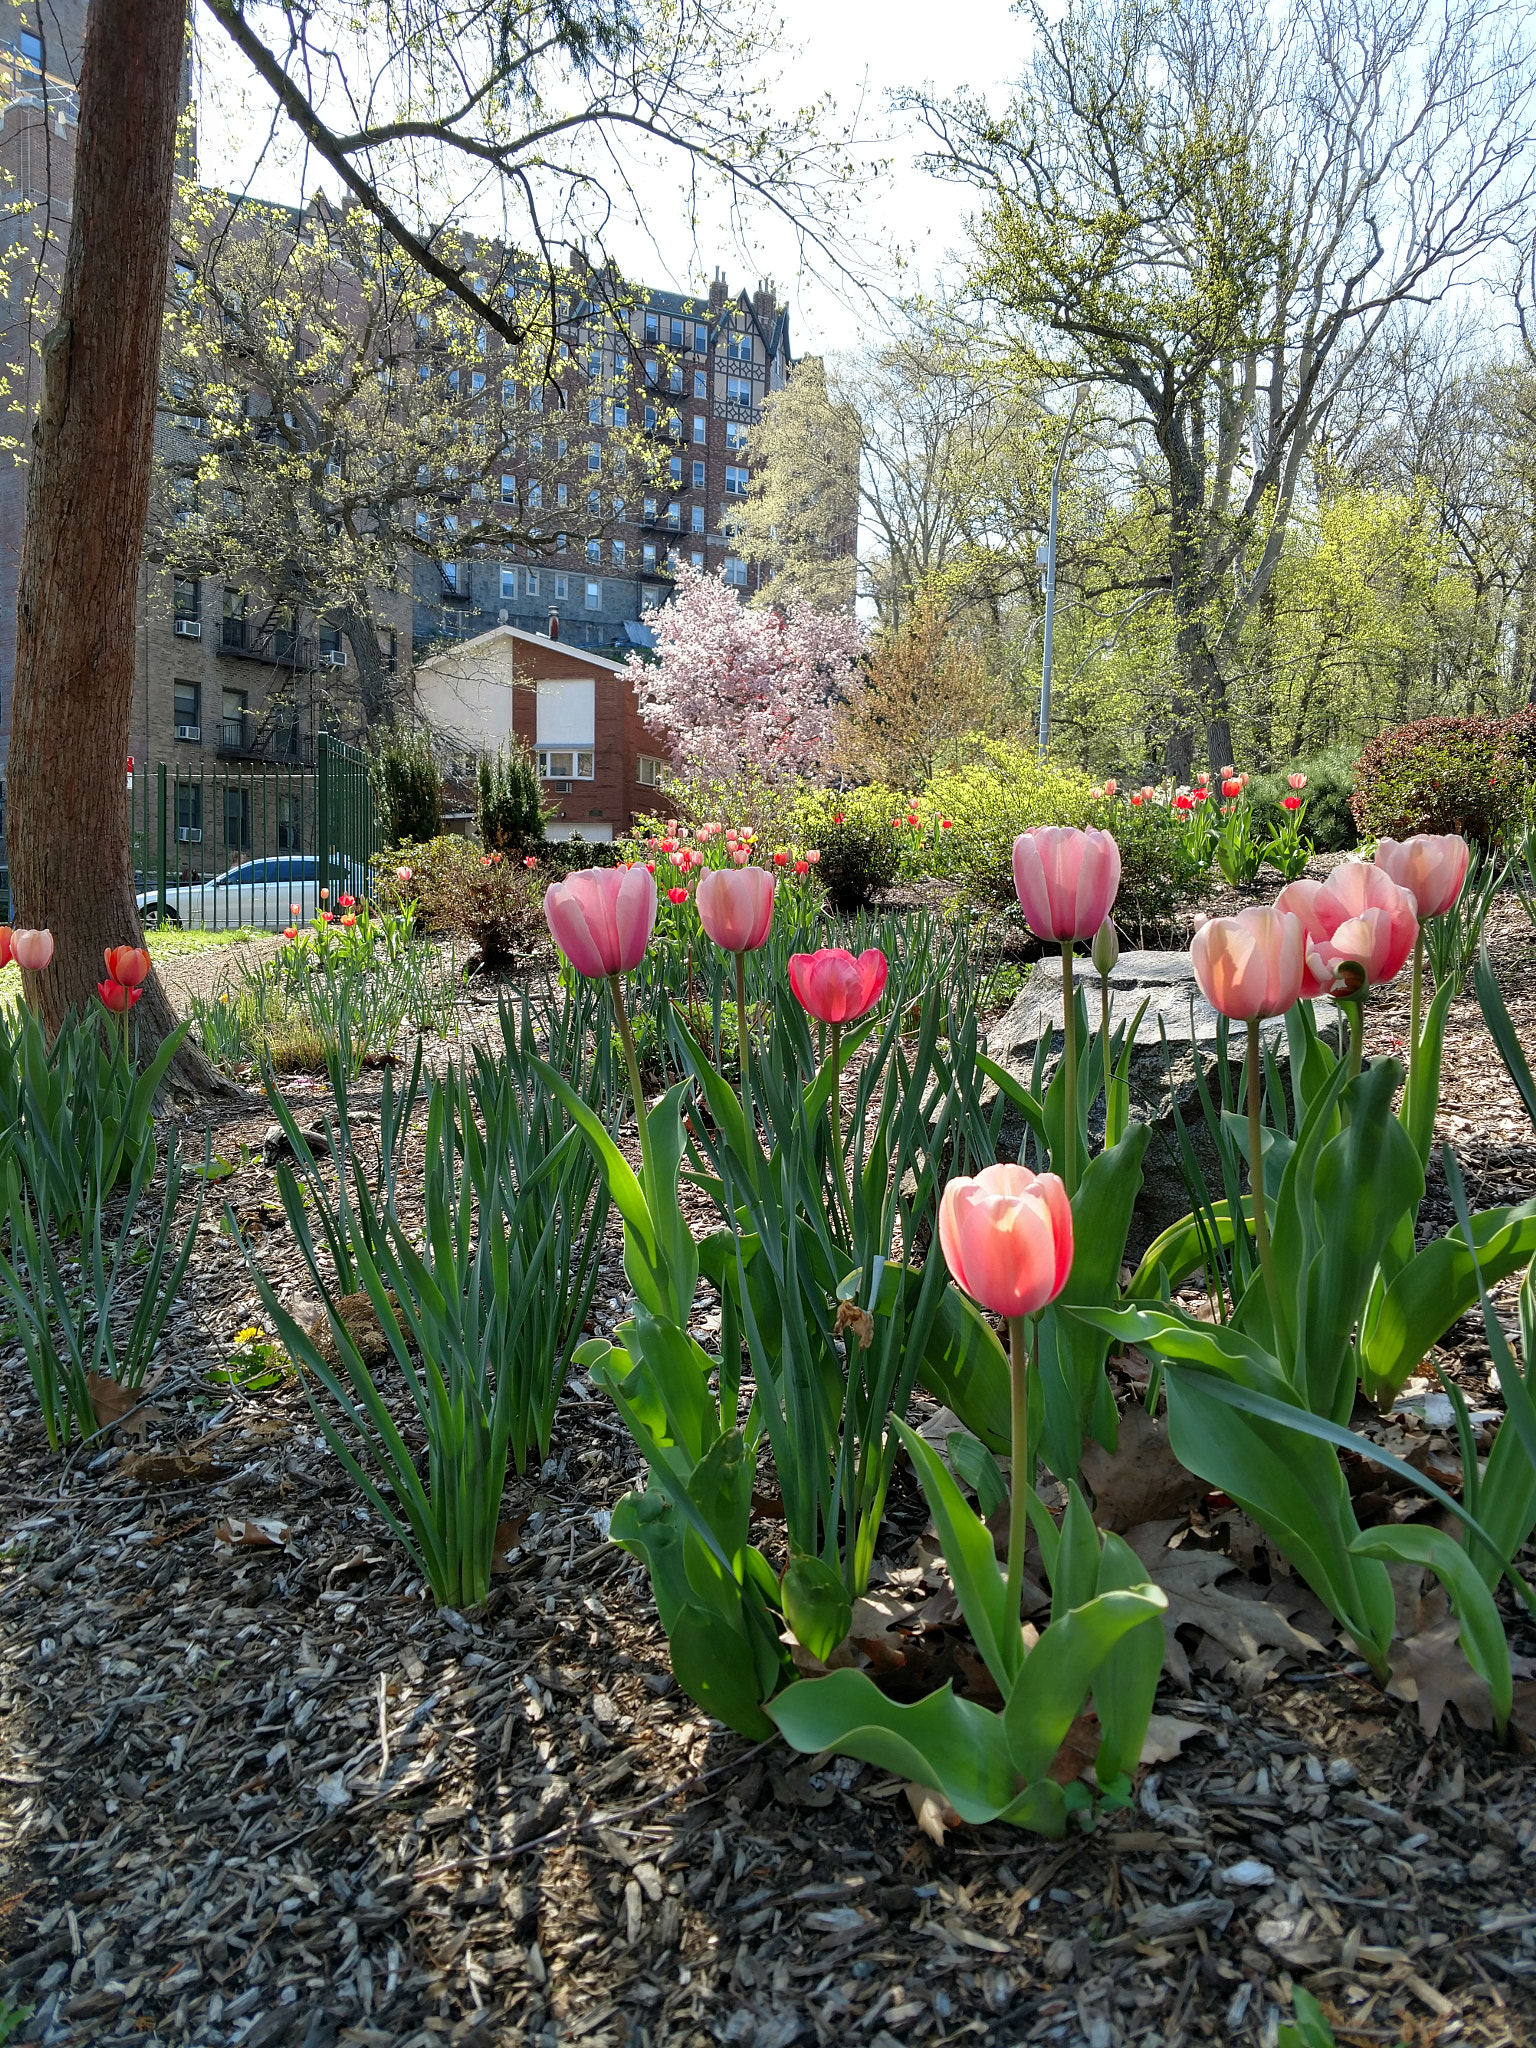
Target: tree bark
(87,499)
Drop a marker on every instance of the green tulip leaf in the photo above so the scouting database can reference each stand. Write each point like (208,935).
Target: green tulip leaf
(967,1545)
(715,1666)
(816,1605)
(1481,1630)
(1059,1671)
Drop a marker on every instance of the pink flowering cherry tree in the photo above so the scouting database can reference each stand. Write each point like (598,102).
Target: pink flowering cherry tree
(736,687)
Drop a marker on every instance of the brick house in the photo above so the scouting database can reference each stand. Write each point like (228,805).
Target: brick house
(574,710)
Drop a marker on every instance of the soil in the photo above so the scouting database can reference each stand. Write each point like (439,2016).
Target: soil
(256,1790)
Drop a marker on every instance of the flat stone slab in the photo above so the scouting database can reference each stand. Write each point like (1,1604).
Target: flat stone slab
(1176,1010)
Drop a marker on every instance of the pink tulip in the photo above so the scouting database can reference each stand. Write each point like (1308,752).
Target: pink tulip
(1066,879)
(32,949)
(736,907)
(1007,1238)
(5,945)
(602,918)
(1297,781)
(1431,866)
(1251,965)
(835,987)
(1358,922)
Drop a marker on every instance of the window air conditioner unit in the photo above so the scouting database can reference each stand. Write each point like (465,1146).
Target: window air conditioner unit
(501,616)
(189,732)
(561,788)
(189,629)
(192,833)
(337,658)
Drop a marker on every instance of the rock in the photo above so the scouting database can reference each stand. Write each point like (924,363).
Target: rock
(1177,1018)
(276,1144)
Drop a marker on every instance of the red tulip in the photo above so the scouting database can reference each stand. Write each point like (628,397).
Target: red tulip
(1290,803)
(946,824)
(116,997)
(736,907)
(1250,965)
(347,902)
(1231,787)
(128,965)
(1360,927)
(677,895)
(1184,803)
(290,931)
(32,949)
(1007,1238)
(350,919)
(835,987)
(5,945)
(530,860)
(1066,879)
(1431,866)
(602,918)
(781,859)
(1200,796)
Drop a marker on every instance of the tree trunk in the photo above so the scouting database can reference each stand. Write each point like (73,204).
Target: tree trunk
(376,686)
(87,499)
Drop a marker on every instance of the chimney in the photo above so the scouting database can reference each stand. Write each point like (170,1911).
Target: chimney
(764,305)
(716,296)
(554,625)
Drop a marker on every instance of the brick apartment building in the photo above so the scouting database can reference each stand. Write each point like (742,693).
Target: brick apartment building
(691,374)
(573,709)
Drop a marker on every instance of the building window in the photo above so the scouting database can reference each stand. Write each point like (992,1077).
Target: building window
(674,518)
(536,398)
(594,362)
(595,504)
(739,390)
(594,412)
(233,624)
(649,509)
(535,497)
(652,327)
(698,519)
(565,764)
(237,820)
(735,435)
(509,490)
(621,415)
(698,476)
(536,446)
(184,499)
(677,334)
(701,384)
(594,550)
(618,508)
(186,706)
(618,554)
(594,595)
(562,589)
(698,561)
(531,581)
(477,382)
(450,574)
(648,555)
(423,525)
(509,582)
(736,571)
(735,482)
(594,456)
(675,380)
(675,426)
(562,496)
(189,811)
(652,371)
(700,427)
(675,471)
(738,347)
(289,825)
(451,521)
(187,600)
(649,771)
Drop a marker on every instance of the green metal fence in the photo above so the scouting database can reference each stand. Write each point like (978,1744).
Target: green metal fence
(227,844)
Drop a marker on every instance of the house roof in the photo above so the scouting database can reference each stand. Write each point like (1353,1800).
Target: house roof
(451,655)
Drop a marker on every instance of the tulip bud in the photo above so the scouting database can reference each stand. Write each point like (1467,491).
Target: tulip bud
(1106,947)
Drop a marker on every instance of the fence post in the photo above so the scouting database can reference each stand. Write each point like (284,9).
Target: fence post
(323,811)
(160,838)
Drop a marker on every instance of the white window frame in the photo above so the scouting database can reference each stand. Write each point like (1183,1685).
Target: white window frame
(594,595)
(566,764)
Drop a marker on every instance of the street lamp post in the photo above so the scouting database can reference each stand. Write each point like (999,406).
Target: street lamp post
(1050,574)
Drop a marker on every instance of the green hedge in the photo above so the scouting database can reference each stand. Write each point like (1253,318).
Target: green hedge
(1330,820)
(1467,775)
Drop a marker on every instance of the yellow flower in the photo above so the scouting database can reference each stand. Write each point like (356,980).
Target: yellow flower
(250,1336)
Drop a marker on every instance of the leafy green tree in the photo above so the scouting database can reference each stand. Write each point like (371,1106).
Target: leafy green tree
(511,808)
(410,786)
(1208,215)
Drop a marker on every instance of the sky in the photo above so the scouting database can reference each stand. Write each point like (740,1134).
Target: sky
(854,50)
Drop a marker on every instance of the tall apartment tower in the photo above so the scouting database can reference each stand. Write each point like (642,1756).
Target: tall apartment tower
(40,51)
(691,375)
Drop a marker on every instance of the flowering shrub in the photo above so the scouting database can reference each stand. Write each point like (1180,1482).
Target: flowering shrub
(490,899)
(857,861)
(1444,774)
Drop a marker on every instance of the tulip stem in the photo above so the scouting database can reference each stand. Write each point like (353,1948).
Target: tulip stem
(1354,1010)
(631,1058)
(1256,1174)
(1018,1503)
(1069,1056)
(835,1106)
(741,1015)
(1416,1000)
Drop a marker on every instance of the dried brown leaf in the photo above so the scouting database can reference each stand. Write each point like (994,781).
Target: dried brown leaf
(1140,1480)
